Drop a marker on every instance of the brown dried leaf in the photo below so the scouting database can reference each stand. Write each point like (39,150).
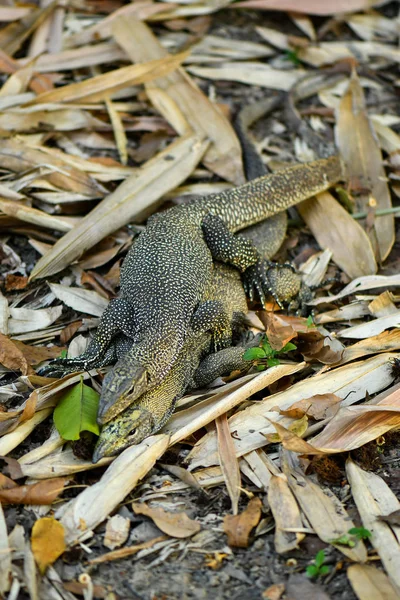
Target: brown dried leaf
(290,437)
(228,461)
(350,246)
(15,282)
(47,542)
(313,345)
(37,354)
(238,527)
(43,492)
(174,524)
(320,406)
(279,333)
(354,426)
(12,357)
(369,583)
(363,158)
(13,36)
(69,331)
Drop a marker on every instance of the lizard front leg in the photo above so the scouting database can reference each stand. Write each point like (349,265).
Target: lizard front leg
(117,318)
(243,254)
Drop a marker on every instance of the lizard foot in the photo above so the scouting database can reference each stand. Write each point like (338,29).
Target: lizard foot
(268,278)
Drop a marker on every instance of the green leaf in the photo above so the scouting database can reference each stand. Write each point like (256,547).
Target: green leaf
(273,362)
(63,354)
(324,570)
(287,348)
(320,558)
(360,532)
(310,322)
(344,540)
(260,367)
(269,351)
(312,571)
(293,57)
(254,354)
(77,411)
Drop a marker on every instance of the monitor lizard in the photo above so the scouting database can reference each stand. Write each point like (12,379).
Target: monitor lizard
(196,366)
(167,274)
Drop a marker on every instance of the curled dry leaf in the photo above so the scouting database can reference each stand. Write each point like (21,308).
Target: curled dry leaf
(238,527)
(278,331)
(48,542)
(228,461)
(12,357)
(313,345)
(320,406)
(43,492)
(174,524)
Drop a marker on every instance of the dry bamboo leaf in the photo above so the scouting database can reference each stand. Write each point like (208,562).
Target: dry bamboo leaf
(388,341)
(176,94)
(84,301)
(9,441)
(18,156)
(30,574)
(373,498)
(371,328)
(43,492)
(13,36)
(27,319)
(373,27)
(238,526)
(383,305)
(252,424)
(136,195)
(119,132)
(228,461)
(349,312)
(37,354)
(291,439)
(127,551)
(103,86)
(93,505)
(312,7)
(362,156)
(102,29)
(369,282)
(354,426)
(85,56)
(37,217)
(4,314)
(252,73)
(22,120)
(117,532)
(5,556)
(60,464)
(347,240)
(369,583)
(326,514)
(11,356)
(286,513)
(48,542)
(186,422)
(174,524)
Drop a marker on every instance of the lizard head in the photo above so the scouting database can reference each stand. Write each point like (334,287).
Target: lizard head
(127,380)
(128,428)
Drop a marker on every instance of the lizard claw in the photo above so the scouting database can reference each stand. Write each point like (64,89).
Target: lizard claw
(266,278)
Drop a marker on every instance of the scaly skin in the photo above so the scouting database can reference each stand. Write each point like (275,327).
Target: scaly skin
(152,410)
(167,274)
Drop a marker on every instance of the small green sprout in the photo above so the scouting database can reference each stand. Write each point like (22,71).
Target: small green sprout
(318,568)
(292,55)
(310,322)
(266,356)
(360,533)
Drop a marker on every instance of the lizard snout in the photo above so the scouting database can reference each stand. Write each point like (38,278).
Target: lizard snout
(121,386)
